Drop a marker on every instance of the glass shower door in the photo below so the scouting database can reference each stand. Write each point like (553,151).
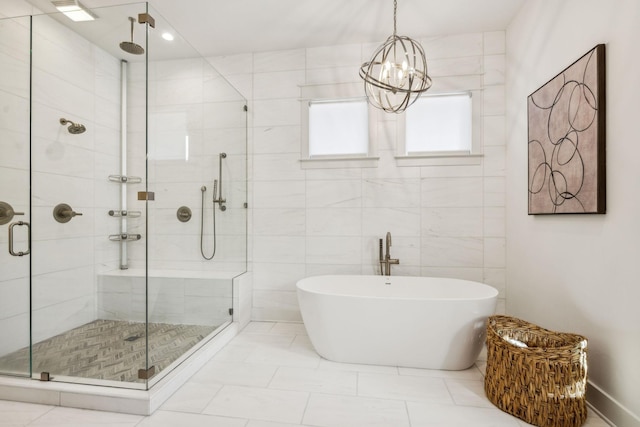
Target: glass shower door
(14,197)
(88,315)
(69,155)
(104,283)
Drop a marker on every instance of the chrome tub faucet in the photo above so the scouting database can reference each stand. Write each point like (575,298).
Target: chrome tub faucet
(386,260)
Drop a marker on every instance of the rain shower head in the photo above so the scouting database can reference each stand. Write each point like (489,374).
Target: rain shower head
(132,47)
(74,128)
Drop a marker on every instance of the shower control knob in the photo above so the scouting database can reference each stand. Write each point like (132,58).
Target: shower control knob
(7,213)
(63,213)
(183,214)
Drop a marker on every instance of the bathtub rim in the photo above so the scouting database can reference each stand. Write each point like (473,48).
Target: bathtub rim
(493,293)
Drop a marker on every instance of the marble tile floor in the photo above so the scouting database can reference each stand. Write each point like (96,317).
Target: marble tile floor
(108,349)
(270,376)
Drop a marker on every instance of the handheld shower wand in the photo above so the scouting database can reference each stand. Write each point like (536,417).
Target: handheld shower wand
(217,186)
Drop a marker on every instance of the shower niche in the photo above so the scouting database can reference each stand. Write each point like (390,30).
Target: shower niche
(113,291)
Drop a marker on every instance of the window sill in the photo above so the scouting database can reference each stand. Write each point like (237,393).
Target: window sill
(339,162)
(438,159)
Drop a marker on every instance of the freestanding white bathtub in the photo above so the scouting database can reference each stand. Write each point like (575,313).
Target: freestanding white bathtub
(419,322)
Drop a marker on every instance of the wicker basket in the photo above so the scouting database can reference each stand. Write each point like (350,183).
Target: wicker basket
(537,375)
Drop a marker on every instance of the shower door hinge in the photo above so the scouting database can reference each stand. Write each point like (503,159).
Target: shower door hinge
(144,18)
(246,108)
(246,205)
(231,312)
(145,374)
(146,195)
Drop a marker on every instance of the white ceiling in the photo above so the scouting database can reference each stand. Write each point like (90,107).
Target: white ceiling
(216,27)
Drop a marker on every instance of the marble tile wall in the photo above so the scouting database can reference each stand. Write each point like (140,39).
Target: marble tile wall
(445,220)
(194,115)
(175,300)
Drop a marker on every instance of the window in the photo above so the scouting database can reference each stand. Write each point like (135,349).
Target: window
(338,127)
(440,129)
(439,123)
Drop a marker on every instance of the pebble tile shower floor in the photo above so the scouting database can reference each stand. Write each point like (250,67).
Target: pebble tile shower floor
(108,350)
(270,376)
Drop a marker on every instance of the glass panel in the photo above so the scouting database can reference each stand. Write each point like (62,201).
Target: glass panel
(88,320)
(197,223)
(14,195)
(123,288)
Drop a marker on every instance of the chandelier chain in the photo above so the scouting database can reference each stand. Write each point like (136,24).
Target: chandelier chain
(395,7)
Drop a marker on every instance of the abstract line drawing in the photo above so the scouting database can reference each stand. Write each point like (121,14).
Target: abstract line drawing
(566,126)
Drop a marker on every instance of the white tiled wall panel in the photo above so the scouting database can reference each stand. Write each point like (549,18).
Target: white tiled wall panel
(196,301)
(445,220)
(194,116)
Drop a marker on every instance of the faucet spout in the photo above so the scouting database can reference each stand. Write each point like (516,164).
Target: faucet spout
(388,241)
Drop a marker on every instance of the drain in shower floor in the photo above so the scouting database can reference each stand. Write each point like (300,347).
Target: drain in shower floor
(133,338)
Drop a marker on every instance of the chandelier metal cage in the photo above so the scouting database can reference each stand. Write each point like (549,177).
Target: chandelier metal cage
(396,75)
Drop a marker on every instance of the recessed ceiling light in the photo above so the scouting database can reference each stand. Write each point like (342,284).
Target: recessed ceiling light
(74,10)
(167,36)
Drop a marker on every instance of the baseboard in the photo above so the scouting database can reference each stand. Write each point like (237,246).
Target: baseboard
(610,409)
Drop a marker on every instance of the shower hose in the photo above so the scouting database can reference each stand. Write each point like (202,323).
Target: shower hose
(213,214)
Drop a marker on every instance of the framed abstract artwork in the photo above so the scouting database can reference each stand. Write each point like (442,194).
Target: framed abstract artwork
(566,140)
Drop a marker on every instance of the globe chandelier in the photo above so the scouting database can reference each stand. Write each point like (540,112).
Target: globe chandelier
(396,75)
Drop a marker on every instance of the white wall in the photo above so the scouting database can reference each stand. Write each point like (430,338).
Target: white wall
(445,220)
(187,98)
(578,273)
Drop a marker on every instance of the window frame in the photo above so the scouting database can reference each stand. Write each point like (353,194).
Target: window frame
(345,92)
(453,157)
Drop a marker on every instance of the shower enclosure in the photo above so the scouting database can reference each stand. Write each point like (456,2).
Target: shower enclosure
(104,151)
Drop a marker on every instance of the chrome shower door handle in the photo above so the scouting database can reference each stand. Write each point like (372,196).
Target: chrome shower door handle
(11,227)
